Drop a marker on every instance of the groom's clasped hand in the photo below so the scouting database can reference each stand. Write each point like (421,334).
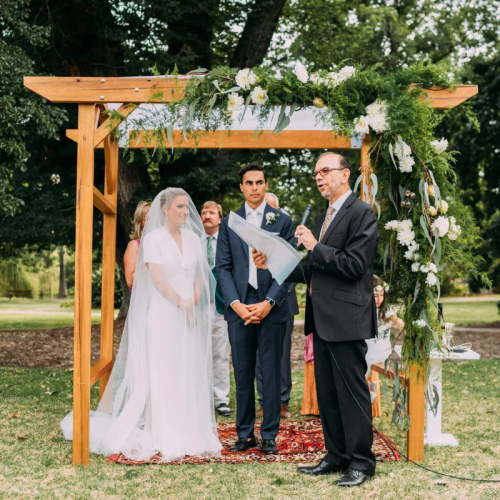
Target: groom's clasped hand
(252,313)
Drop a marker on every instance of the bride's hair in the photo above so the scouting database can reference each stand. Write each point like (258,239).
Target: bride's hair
(168,196)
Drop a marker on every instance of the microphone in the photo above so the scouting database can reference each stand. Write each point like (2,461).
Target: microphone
(305,215)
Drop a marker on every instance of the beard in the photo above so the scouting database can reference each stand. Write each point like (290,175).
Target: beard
(332,191)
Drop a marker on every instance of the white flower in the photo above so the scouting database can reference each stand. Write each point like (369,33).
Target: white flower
(455,230)
(392,225)
(332,79)
(409,255)
(420,323)
(416,256)
(431,279)
(259,96)
(406,164)
(271,217)
(361,125)
(373,109)
(439,146)
(443,206)
(405,224)
(406,237)
(391,312)
(401,149)
(432,267)
(382,104)
(432,211)
(441,225)
(415,267)
(301,72)
(414,246)
(234,103)
(346,72)
(245,78)
(314,78)
(378,122)
(55,178)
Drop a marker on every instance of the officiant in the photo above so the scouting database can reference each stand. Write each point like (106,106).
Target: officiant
(341,314)
(256,311)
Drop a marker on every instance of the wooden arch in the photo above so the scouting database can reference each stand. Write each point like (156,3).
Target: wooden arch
(92,95)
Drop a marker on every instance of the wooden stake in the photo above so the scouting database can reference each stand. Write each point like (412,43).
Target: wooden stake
(416,411)
(83,283)
(111,152)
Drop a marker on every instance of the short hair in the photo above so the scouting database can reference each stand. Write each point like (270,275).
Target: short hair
(342,161)
(141,211)
(212,204)
(275,197)
(254,166)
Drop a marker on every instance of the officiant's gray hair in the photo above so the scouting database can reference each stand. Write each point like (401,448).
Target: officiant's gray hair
(275,197)
(168,196)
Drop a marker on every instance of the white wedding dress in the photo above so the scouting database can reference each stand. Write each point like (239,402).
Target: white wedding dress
(159,397)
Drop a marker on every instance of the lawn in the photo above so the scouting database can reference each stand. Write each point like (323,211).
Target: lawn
(36,461)
(28,314)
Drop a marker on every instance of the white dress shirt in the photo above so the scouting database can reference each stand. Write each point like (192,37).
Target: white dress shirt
(337,204)
(255,217)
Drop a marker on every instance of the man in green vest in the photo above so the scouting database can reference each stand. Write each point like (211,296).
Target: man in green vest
(211,215)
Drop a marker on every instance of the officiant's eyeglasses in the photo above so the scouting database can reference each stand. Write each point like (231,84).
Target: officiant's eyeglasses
(324,171)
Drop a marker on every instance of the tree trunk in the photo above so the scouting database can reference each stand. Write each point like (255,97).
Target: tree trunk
(63,294)
(258,33)
(131,180)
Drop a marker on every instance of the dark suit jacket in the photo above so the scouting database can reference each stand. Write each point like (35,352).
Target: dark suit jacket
(219,299)
(231,262)
(293,303)
(342,305)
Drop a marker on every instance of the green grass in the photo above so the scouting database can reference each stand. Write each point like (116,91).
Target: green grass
(38,313)
(466,313)
(35,461)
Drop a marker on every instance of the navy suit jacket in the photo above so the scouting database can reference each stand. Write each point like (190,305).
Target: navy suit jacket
(232,267)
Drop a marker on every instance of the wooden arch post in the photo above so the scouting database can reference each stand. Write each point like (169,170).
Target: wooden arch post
(92,95)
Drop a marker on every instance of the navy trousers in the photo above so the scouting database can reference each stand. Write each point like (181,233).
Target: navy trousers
(267,338)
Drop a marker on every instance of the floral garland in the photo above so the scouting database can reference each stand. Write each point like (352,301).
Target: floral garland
(424,226)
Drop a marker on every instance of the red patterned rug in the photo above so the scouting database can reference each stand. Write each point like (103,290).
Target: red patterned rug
(299,441)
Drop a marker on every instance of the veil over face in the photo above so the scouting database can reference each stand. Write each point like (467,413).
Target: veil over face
(159,398)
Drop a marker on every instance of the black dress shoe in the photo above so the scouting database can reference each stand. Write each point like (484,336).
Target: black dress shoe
(352,477)
(321,469)
(243,444)
(269,447)
(223,410)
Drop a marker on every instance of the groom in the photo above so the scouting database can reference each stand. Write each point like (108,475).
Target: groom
(256,312)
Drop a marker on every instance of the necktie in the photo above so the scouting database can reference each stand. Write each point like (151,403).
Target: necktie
(326,224)
(327,221)
(252,270)
(210,252)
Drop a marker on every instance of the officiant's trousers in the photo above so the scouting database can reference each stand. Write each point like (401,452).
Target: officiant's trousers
(348,433)
(267,338)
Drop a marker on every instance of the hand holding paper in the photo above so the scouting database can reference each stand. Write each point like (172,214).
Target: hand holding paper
(280,257)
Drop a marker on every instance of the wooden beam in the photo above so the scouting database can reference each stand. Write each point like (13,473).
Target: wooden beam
(446,98)
(108,125)
(106,90)
(83,283)
(416,411)
(99,369)
(102,203)
(141,90)
(111,158)
(245,139)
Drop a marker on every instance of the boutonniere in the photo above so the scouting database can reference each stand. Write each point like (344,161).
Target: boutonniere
(271,217)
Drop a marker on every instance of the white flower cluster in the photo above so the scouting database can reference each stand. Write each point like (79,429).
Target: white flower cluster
(403,152)
(375,118)
(455,230)
(245,79)
(333,78)
(439,146)
(420,323)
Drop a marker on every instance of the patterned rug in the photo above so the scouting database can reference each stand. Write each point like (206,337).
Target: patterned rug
(299,441)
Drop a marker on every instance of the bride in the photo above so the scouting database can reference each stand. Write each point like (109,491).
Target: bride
(159,396)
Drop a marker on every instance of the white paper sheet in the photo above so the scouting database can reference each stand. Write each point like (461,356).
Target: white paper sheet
(281,257)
